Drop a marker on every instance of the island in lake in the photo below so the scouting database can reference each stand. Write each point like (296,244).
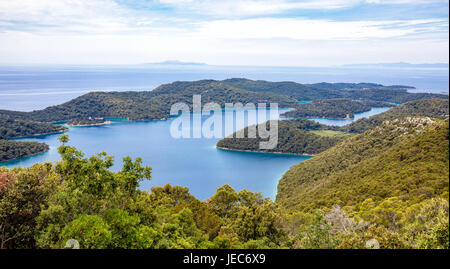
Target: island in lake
(84,122)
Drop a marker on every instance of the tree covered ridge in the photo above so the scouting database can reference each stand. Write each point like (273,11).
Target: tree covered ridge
(297,136)
(294,137)
(13,128)
(333,108)
(155,104)
(80,198)
(381,176)
(434,108)
(10,150)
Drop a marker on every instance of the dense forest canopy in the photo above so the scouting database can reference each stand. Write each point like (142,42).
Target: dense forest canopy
(333,108)
(302,136)
(86,121)
(10,150)
(151,105)
(434,108)
(294,136)
(13,128)
(79,198)
(381,176)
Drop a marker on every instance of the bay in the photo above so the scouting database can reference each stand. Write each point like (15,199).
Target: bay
(194,163)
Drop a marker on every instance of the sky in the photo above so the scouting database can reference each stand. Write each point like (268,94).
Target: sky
(224,32)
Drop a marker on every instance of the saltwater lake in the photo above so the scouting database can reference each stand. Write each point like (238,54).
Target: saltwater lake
(194,163)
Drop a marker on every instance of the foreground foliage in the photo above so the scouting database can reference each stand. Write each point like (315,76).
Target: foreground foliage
(394,177)
(46,205)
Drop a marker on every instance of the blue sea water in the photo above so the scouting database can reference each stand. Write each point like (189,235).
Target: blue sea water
(27,88)
(342,122)
(194,163)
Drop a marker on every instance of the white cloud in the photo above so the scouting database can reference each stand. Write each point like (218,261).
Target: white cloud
(101,31)
(238,8)
(301,29)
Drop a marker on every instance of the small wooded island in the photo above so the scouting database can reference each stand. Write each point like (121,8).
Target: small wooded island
(84,122)
(11,150)
(340,108)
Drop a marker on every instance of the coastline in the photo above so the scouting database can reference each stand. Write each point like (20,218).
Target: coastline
(266,152)
(36,135)
(3,163)
(88,125)
(315,117)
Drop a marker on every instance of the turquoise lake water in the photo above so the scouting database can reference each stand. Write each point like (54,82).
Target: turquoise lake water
(193,163)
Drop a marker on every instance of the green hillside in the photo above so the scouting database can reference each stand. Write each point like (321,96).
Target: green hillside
(156,104)
(12,128)
(355,91)
(434,108)
(297,136)
(10,150)
(406,158)
(149,105)
(333,108)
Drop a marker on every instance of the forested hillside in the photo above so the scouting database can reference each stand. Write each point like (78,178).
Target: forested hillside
(10,150)
(381,176)
(156,104)
(302,136)
(297,136)
(333,108)
(12,128)
(355,91)
(434,108)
